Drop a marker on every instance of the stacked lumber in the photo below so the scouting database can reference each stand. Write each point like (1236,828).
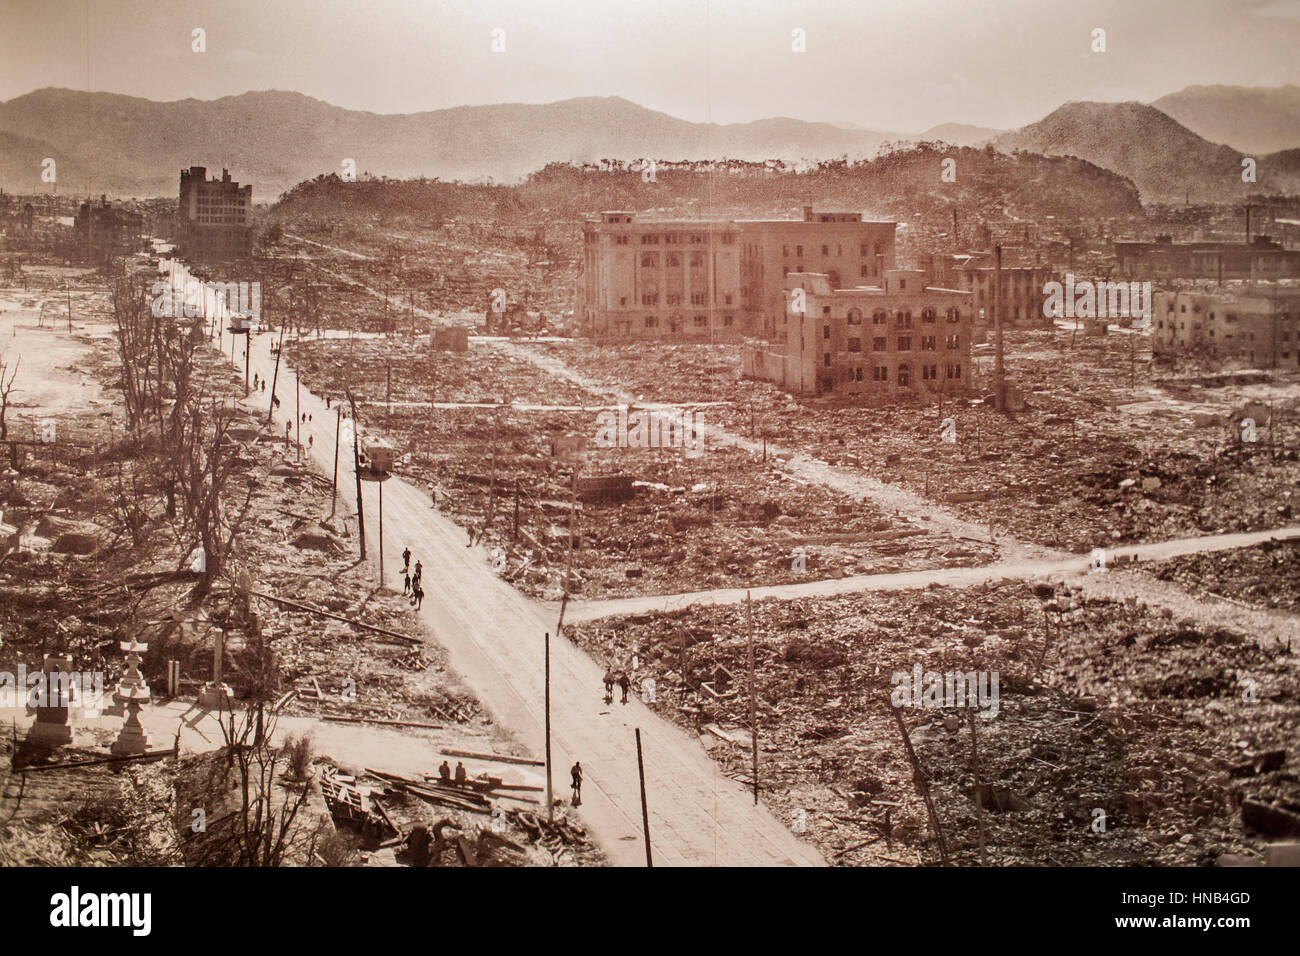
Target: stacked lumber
(457,798)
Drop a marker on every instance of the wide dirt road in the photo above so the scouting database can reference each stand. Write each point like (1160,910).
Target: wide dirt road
(494,639)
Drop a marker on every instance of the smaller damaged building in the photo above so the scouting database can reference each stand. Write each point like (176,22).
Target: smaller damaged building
(870,343)
(1229,329)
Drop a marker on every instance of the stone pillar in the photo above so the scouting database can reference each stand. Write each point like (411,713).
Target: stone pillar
(215,695)
(132,694)
(51,727)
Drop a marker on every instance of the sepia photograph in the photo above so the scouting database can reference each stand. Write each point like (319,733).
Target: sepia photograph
(682,433)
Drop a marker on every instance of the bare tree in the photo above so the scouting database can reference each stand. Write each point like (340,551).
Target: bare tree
(200,461)
(6,386)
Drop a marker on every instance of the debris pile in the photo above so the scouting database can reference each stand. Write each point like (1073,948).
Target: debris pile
(1167,727)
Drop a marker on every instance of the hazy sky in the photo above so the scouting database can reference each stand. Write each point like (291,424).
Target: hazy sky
(899,65)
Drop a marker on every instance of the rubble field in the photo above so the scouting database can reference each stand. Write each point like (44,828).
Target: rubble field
(1267,575)
(128,576)
(722,518)
(1182,735)
(1090,462)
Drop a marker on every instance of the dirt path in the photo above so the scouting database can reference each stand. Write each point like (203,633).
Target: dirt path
(322,245)
(1277,625)
(889,498)
(494,639)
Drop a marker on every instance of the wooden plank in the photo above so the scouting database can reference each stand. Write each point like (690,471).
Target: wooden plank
(414,641)
(344,719)
(499,758)
(387,819)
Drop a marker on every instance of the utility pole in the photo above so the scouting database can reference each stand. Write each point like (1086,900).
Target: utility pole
(975,765)
(356,469)
(514,536)
(388,370)
(381,531)
(645,810)
(1132,358)
(279,350)
(297,413)
(334,487)
(573,511)
(550,797)
(753,693)
(1000,392)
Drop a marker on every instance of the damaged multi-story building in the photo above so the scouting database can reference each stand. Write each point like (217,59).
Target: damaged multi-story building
(105,230)
(715,280)
(1258,258)
(1023,288)
(214,219)
(899,339)
(1229,328)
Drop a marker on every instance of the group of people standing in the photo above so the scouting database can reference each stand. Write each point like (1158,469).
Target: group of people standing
(411,581)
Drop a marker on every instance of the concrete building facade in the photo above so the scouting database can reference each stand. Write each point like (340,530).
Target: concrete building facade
(214,218)
(1229,329)
(1022,288)
(874,343)
(1261,258)
(646,279)
(715,280)
(843,246)
(105,230)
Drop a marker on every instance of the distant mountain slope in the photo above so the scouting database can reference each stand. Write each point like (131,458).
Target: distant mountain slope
(1253,119)
(959,134)
(1164,159)
(899,184)
(127,144)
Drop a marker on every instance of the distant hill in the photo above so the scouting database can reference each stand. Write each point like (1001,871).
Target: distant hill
(1254,119)
(1164,159)
(129,145)
(902,184)
(959,134)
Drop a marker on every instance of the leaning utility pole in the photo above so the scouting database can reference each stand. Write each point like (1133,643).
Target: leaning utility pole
(1000,388)
(334,486)
(645,809)
(279,350)
(356,469)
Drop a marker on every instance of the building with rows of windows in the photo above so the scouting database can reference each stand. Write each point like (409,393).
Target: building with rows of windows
(715,280)
(1023,289)
(214,219)
(1229,328)
(874,343)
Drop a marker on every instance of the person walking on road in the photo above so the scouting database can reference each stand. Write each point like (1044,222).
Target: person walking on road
(417,593)
(576,774)
(609,684)
(624,684)
(406,581)
(406,558)
(418,576)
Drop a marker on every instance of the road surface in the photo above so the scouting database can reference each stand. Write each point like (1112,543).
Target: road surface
(952,577)
(493,636)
